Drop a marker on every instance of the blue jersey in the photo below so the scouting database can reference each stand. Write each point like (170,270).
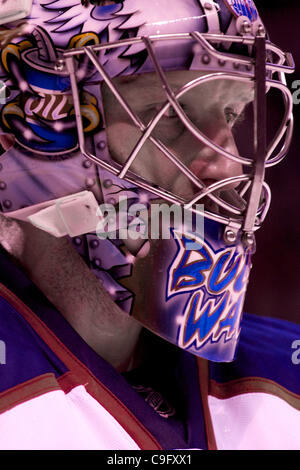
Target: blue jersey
(57,393)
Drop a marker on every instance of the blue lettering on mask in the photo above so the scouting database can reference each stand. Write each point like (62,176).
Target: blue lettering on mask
(215,282)
(243,8)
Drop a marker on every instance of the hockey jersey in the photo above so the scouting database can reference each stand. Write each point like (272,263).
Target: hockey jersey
(57,393)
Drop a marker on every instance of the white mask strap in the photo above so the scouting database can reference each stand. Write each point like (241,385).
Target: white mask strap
(71,215)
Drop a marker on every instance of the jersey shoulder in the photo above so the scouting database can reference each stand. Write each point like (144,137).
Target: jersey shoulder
(255,400)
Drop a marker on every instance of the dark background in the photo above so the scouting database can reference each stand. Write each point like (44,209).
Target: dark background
(274,288)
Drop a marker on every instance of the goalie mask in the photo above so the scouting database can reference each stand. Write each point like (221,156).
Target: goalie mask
(108,152)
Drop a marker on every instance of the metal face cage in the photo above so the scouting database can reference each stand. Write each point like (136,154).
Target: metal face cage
(266,69)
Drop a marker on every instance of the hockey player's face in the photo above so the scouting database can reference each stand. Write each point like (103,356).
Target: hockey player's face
(214,107)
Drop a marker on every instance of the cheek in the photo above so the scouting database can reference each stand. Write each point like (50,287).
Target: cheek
(121,138)
(150,162)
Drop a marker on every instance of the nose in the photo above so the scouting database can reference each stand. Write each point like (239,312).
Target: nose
(206,163)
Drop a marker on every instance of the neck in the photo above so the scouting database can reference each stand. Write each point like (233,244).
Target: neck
(60,273)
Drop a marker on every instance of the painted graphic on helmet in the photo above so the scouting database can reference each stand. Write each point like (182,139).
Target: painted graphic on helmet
(243,8)
(216,281)
(40,110)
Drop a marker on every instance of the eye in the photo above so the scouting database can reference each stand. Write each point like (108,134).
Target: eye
(231,116)
(170,112)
